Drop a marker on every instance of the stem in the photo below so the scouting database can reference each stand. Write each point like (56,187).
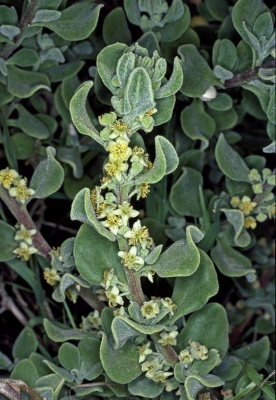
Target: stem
(23,25)
(247,76)
(23,217)
(135,288)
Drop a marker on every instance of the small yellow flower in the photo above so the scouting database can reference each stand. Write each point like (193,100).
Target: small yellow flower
(250,222)
(168,303)
(139,235)
(24,251)
(119,151)
(235,201)
(198,351)
(7,177)
(113,223)
(246,205)
(93,198)
(139,156)
(126,211)
(143,190)
(130,258)
(107,119)
(104,209)
(95,319)
(25,235)
(144,351)
(51,276)
(168,338)
(109,279)
(161,376)
(254,175)
(150,111)
(185,357)
(21,192)
(150,309)
(118,129)
(116,169)
(114,297)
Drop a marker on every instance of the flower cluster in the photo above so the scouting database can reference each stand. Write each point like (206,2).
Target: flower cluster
(259,180)
(16,185)
(153,364)
(150,309)
(195,351)
(114,289)
(24,237)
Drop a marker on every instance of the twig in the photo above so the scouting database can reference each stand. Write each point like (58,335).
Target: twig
(247,76)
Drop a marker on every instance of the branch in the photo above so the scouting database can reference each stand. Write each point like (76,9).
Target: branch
(23,217)
(247,76)
(23,25)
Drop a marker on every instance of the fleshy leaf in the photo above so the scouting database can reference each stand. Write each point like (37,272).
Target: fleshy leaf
(229,261)
(121,365)
(25,344)
(192,292)
(7,242)
(236,219)
(195,382)
(166,161)
(182,258)
(115,28)
(58,334)
(174,83)
(79,114)
(93,253)
(23,83)
(69,356)
(48,176)
(230,162)
(32,125)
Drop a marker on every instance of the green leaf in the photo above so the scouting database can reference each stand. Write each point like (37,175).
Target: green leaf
(166,161)
(72,157)
(219,9)
(69,356)
(164,108)
(209,327)
(271,109)
(255,353)
(121,365)
(223,102)
(32,125)
(173,30)
(182,258)
(76,22)
(173,84)
(48,176)
(224,119)
(229,261)
(24,58)
(65,71)
(229,368)
(25,344)
(197,124)
(9,31)
(115,28)
(145,387)
(230,162)
(23,83)
(5,362)
(82,210)
(195,382)
(205,366)
(184,196)
(25,371)
(93,253)
(236,218)
(197,75)
(247,12)
(153,255)
(58,334)
(138,95)
(192,292)
(5,96)
(46,16)
(224,54)
(7,242)
(63,373)
(67,281)
(107,61)
(79,114)
(89,350)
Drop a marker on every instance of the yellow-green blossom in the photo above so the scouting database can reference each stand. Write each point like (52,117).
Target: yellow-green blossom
(21,192)
(198,351)
(151,367)
(161,376)
(250,222)
(185,357)
(51,276)
(7,177)
(119,129)
(139,235)
(144,351)
(143,190)
(139,156)
(235,201)
(95,319)
(119,151)
(104,209)
(116,169)
(130,258)
(24,251)
(25,235)
(126,211)
(114,297)
(254,175)
(168,303)
(113,223)
(150,309)
(246,205)
(168,338)
(109,278)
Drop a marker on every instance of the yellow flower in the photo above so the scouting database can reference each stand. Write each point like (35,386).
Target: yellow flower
(104,209)
(119,129)
(51,276)
(126,211)
(113,223)
(143,190)
(144,351)
(116,168)
(168,338)
(235,201)
(114,297)
(7,177)
(198,351)
(185,357)
(130,258)
(250,222)
(119,151)
(25,235)
(139,235)
(246,205)
(21,192)
(168,303)
(149,309)
(24,251)
(93,198)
